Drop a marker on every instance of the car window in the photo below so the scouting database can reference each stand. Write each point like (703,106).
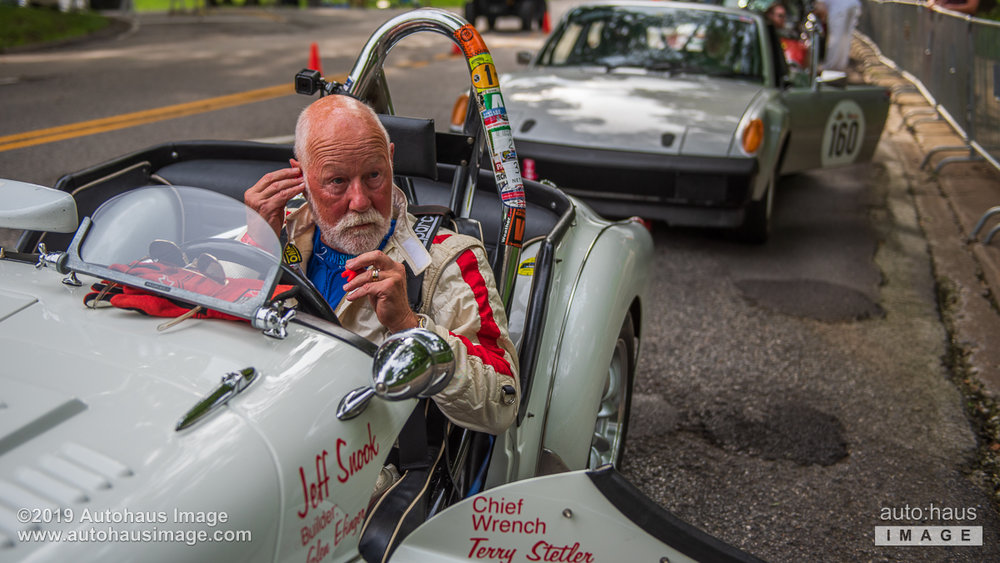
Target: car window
(660,40)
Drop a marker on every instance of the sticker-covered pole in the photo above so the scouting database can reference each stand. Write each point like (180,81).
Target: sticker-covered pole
(500,142)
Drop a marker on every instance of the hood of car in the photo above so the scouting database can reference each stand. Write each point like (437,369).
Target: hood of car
(624,110)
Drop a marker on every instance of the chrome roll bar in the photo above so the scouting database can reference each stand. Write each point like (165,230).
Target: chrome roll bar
(366,81)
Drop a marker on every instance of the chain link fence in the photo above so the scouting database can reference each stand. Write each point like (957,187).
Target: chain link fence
(953,59)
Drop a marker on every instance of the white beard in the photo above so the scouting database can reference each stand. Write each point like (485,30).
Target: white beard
(343,237)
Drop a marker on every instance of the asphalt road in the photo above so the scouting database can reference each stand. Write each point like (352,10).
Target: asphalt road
(790,397)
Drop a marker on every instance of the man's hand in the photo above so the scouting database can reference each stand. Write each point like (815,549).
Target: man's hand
(384,282)
(271,193)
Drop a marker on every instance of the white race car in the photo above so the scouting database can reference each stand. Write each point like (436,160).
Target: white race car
(245,424)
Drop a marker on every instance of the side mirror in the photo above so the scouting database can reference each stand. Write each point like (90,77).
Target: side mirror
(36,208)
(524,57)
(412,363)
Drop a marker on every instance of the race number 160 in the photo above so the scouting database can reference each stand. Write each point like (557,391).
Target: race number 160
(843,135)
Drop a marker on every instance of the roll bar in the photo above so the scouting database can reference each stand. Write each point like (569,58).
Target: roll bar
(487,125)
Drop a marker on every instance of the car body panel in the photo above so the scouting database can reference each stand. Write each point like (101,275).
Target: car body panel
(580,108)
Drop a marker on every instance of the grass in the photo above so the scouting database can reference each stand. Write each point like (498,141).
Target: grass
(25,26)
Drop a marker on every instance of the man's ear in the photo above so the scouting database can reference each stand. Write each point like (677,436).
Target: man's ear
(392,151)
(294,163)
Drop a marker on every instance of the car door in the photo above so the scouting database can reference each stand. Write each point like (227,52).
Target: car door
(833,125)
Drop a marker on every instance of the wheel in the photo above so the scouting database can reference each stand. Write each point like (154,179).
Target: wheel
(756,225)
(611,426)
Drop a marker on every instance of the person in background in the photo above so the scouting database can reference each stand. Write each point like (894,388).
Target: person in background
(841,19)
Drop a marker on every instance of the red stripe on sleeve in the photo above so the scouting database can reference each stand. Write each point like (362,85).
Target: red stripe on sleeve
(489,333)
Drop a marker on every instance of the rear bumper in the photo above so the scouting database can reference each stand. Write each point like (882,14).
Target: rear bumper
(681,190)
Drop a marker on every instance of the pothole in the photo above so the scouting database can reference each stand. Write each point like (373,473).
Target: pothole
(791,431)
(813,299)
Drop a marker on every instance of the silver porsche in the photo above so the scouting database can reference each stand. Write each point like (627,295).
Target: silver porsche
(683,113)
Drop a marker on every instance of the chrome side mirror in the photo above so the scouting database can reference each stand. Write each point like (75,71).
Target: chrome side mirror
(412,363)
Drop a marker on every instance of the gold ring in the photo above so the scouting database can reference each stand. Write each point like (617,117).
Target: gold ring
(375,274)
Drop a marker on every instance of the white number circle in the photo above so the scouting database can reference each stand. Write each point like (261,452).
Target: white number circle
(844,134)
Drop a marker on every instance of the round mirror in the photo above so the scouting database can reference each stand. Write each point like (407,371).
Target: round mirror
(412,363)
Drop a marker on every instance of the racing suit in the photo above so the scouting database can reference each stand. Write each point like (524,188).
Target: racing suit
(460,303)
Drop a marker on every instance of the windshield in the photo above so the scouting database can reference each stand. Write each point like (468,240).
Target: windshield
(183,243)
(658,38)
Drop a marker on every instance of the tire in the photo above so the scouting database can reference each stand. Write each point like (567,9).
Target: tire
(756,227)
(611,426)
(526,11)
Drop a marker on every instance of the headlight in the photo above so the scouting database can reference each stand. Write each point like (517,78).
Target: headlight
(753,136)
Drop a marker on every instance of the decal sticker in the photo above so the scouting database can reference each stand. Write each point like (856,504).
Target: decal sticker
(527,268)
(516,227)
(494,116)
(315,491)
(490,99)
(470,41)
(500,138)
(495,522)
(513,194)
(291,254)
(350,462)
(485,76)
(483,59)
(844,134)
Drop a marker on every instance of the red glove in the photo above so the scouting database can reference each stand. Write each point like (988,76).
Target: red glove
(235,290)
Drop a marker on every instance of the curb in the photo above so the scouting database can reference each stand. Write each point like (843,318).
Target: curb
(948,204)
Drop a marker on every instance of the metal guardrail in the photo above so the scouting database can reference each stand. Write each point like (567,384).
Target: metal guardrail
(953,60)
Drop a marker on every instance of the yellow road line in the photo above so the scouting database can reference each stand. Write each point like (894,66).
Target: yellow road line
(52,134)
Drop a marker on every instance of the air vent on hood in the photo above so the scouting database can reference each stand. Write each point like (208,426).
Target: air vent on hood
(31,411)
(527,125)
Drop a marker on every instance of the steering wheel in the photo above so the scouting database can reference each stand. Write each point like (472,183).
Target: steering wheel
(228,250)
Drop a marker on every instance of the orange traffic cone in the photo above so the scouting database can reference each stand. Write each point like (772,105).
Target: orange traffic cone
(546,24)
(455,50)
(314,58)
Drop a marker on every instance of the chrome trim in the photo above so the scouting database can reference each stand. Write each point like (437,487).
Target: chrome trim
(273,321)
(354,403)
(232,384)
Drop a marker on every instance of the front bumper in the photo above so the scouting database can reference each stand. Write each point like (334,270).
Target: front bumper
(682,190)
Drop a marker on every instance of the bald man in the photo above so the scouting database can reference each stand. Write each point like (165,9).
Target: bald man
(356,220)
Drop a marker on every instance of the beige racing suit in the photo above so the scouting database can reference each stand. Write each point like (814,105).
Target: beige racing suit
(460,303)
